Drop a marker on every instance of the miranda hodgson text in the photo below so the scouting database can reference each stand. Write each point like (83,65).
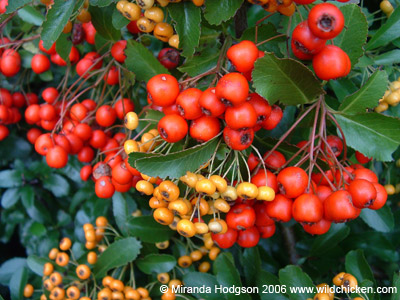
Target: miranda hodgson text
(237,290)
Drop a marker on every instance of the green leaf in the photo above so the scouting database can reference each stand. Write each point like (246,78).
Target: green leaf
(57,17)
(325,242)
(380,220)
(57,184)
(37,229)
(13,5)
(156,263)
(285,80)
(101,3)
(388,58)
(197,279)
(201,63)
(380,134)
(63,47)
(36,263)
(120,210)
(187,18)
(30,15)
(118,20)
(117,254)
(396,284)
(220,11)
(17,283)
(228,275)
(368,96)
(354,37)
(269,286)
(148,230)
(251,265)
(357,265)
(387,32)
(142,62)
(27,196)
(293,276)
(176,164)
(101,17)
(9,267)
(10,198)
(10,178)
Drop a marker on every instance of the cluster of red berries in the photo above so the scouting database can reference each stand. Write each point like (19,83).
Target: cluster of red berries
(9,110)
(325,21)
(230,100)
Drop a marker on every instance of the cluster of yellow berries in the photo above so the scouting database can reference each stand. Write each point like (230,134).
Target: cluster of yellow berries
(208,196)
(345,280)
(53,280)
(115,289)
(150,18)
(387,7)
(391,97)
(95,235)
(148,141)
(285,7)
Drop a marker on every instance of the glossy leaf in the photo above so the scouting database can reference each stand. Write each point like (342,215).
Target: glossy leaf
(293,276)
(63,47)
(285,80)
(9,267)
(176,164)
(142,62)
(380,134)
(357,265)
(10,178)
(388,58)
(148,230)
(57,17)
(117,254)
(387,33)
(10,198)
(201,63)
(58,185)
(208,281)
(187,18)
(17,283)
(30,15)
(13,5)
(36,263)
(227,274)
(269,286)
(220,11)
(336,234)
(354,37)
(380,220)
(101,17)
(156,263)
(251,265)
(120,211)
(367,96)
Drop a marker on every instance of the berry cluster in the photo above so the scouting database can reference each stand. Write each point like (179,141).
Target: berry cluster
(9,110)
(152,19)
(230,100)
(344,280)
(286,7)
(391,97)
(325,21)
